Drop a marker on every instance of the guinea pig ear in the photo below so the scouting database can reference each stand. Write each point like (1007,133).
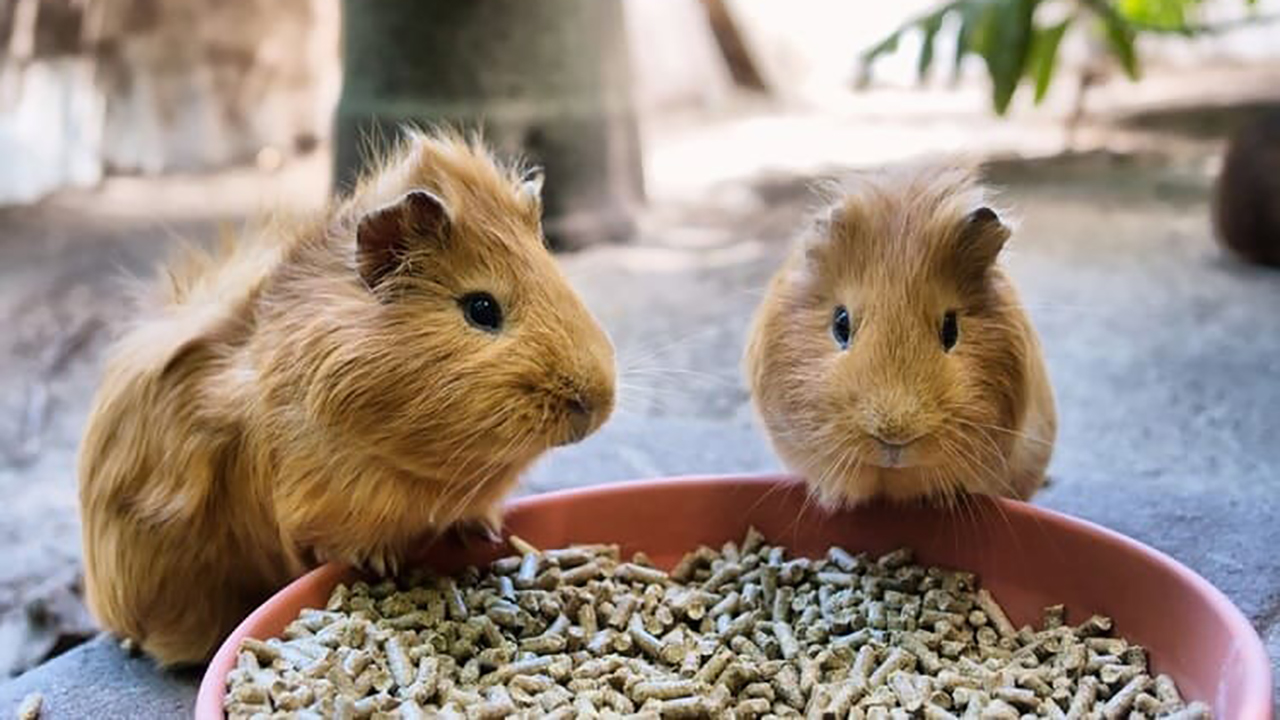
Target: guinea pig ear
(816,242)
(531,186)
(982,237)
(827,220)
(384,235)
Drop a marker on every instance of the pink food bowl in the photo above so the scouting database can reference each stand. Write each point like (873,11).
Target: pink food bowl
(1028,556)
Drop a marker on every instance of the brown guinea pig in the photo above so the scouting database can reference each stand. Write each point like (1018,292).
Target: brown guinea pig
(331,389)
(890,355)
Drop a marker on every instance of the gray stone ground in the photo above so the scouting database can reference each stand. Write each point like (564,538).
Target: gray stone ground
(1165,356)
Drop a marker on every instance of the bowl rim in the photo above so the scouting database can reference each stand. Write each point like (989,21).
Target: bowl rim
(1256,687)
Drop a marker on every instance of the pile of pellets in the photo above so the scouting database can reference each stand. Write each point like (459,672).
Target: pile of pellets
(743,632)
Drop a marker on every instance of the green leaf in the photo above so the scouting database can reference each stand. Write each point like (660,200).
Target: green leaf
(1166,14)
(929,24)
(1120,36)
(1044,55)
(1004,42)
(969,17)
(869,57)
(929,27)
(884,47)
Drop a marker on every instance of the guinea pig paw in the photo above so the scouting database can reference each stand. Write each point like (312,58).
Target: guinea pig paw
(380,562)
(492,525)
(477,532)
(383,562)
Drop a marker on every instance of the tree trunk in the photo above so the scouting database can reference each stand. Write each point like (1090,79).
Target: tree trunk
(548,79)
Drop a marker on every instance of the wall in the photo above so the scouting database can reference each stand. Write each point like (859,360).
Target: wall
(154,86)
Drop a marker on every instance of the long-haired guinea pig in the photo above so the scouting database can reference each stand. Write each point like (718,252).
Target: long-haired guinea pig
(332,389)
(891,357)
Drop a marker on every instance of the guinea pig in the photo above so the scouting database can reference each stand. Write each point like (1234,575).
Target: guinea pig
(890,356)
(331,389)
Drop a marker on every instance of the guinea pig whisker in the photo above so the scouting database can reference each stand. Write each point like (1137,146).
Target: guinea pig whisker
(964,459)
(623,410)
(977,461)
(469,491)
(468,442)
(1028,307)
(626,361)
(666,370)
(995,428)
(1013,533)
(683,374)
(768,493)
(977,454)
(954,494)
(950,497)
(993,446)
(818,485)
(970,505)
(654,388)
(473,490)
(1003,483)
(959,498)
(639,383)
(850,456)
(1003,480)
(640,406)
(943,489)
(965,502)
(835,471)
(647,396)
(491,461)
(794,526)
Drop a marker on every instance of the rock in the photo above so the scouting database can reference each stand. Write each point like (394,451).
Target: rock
(52,621)
(1246,202)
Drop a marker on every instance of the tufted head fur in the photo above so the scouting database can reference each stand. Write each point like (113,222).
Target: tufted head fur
(392,360)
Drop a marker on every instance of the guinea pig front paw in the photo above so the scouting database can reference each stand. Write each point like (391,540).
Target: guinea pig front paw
(478,531)
(381,561)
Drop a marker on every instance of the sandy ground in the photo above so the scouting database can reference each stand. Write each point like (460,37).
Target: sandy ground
(677,302)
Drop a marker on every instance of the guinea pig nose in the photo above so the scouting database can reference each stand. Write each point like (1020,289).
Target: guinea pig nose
(578,405)
(581,420)
(893,437)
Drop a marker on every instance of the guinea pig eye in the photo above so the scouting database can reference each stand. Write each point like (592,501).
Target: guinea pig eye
(482,311)
(841,328)
(950,331)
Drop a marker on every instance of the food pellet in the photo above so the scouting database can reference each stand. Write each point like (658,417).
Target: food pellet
(29,709)
(740,632)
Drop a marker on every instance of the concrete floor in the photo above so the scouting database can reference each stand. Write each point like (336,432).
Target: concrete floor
(1165,356)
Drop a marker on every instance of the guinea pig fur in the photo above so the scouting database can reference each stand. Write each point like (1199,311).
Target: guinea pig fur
(891,356)
(334,388)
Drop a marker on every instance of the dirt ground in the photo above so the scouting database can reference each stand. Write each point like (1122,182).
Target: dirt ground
(676,301)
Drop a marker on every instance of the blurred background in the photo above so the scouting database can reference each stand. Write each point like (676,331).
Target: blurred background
(680,138)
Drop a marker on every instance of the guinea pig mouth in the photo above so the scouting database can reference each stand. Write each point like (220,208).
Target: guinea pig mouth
(893,455)
(581,419)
